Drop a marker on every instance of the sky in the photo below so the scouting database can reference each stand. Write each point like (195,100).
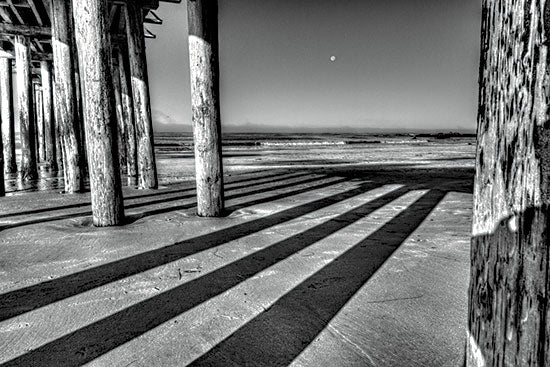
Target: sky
(400,64)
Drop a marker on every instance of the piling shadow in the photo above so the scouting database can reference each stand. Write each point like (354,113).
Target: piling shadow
(326,291)
(288,324)
(166,200)
(23,300)
(279,334)
(274,178)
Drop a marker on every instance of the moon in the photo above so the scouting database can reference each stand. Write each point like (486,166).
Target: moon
(333,58)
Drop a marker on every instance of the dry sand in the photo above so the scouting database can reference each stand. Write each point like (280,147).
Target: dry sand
(327,257)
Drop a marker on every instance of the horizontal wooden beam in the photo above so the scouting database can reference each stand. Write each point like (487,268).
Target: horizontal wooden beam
(145,4)
(37,56)
(10,29)
(152,18)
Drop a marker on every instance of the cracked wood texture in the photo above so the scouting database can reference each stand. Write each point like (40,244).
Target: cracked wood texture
(94,48)
(128,116)
(39,119)
(49,124)
(7,115)
(25,90)
(65,98)
(205,104)
(508,308)
(121,133)
(147,168)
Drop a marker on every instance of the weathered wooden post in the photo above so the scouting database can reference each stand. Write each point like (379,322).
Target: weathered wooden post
(7,115)
(41,152)
(65,97)
(509,289)
(59,147)
(205,103)
(94,49)
(49,124)
(128,115)
(2,184)
(147,168)
(121,136)
(28,167)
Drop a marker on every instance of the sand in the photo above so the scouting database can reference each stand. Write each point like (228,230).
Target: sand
(328,257)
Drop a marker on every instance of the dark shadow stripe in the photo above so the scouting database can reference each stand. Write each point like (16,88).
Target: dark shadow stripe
(159,201)
(278,335)
(23,300)
(106,334)
(258,181)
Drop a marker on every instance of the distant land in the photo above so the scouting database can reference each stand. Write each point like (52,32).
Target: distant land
(257,128)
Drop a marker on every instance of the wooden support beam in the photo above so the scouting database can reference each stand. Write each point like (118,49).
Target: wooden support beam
(94,48)
(152,18)
(35,12)
(147,169)
(7,115)
(35,56)
(65,95)
(60,151)
(2,183)
(128,115)
(10,29)
(144,4)
(40,148)
(509,283)
(15,11)
(28,166)
(205,103)
(121,133)
(49,122)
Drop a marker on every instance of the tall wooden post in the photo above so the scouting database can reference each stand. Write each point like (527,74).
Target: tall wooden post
(147,168)
(2,184)
(205,103)
(7,115)
(49,124)
(65,97)
(509,289)
(41,152)
(128,115)
(119,114)
(59,147)
(94,49)
(25,104)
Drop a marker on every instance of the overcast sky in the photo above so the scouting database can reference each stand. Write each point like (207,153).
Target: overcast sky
(399,63)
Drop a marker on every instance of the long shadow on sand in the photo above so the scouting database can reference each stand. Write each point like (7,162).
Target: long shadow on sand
(256,181)
(279,334)
(331,287)
(325,292)
(27,299)
(178,197)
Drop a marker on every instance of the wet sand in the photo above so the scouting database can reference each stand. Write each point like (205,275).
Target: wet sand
(327,257)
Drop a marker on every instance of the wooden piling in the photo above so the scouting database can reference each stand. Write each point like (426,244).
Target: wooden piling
(119,114)
(509,283)
(49,123)
(7,115)
(65,97)
(59,147)
(2,183)
(28,166)
(128,115)
(147,170)
(41,152)
(205,103)
(94,48)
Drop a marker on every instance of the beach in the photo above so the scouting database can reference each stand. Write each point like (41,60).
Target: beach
(335,250)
